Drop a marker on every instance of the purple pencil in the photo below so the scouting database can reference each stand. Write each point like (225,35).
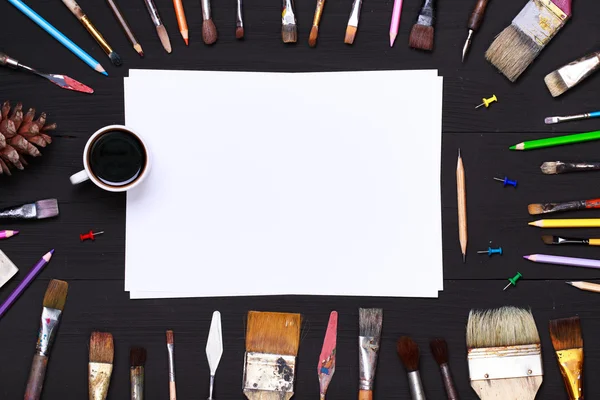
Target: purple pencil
(7,234)
(26,282)
(560,260)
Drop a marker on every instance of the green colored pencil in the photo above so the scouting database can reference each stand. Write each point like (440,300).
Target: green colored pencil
(557,141)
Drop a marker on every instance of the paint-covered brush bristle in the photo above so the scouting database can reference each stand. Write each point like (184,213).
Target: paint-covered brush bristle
(314,34)
(505,326)
(421,37)
(209,31)
(164,38)
(137,357)
(439,349)
(273,333)
(556,84)
(370,321)
(549,167)
(56,294)
(408,351)
(115,59)
(239,32)
(566,333)
(46,208)
(102,348)
(289,33)
(535,209)
(512,52)
(350,34)
(549,239)
(169,337)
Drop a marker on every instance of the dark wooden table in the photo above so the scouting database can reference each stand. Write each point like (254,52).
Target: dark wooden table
(94,270)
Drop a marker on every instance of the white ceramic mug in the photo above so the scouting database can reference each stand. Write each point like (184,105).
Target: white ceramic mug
(87,172)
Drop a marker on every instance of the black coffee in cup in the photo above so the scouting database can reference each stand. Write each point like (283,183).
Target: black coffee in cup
(117,158)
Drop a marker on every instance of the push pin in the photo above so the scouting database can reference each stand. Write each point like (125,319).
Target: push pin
(506,182)
(513,280)
(491,251)
(487,102)
(90,235)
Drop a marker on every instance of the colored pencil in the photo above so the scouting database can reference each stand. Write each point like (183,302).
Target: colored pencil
(123,22)
(586,286)
(7,234)
(567,223)
(561,260)
(395,24)
(181,20)
(56,34)
(461,194)
(557,141)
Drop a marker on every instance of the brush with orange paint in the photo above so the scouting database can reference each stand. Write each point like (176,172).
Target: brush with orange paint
(547,208)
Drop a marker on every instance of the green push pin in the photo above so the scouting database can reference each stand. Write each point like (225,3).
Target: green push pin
(513,280)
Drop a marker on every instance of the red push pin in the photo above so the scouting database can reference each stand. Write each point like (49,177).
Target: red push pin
(90,235)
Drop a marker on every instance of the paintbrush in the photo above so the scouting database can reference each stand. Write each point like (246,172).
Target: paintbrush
(62,81)
(214,349)
(314,31)
(549,239)
(239,21)
(137,360)
(326,365)
(39,210)
(123,22)
(515,48)
(352,26)
(370,322)
(85,21)
(547,208)
(408,351)
(422,33)
(160,28)
(568,344)
(567,118)
(272,341)
(209,30)
(289,29)
(102,353)
(570,75)
(171,354)
(561,167)
(439,349)
(504,354)
(54,303)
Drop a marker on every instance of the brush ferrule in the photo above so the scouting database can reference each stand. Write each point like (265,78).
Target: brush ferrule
(238,16)
(572,117)
(171,352)
(415,385)
(96,34)
(287,16)
(136,375)
(153,12)
(99,380)
(489,363)
(27,211)
(211,387)
(571,368)
(578,70)
(426,14)
(567,240)
(206,12)
(368,350)
(529,21)
(269,372)
(48,325)
(9,62)
(354,14)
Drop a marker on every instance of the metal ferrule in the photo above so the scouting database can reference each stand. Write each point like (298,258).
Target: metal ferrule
(137,383)
(528,21)
(572,117)
(415,385)
(170,350)
(354,14)
(206,9)
(238,16)
(153,12)
(368,347)
(8,61)
(27,211)
(99,380)
(578,70)
(269,372)
(211,387)
(426,14)
(505,362)
(566,240)
(287,16)
(94,32)
(318,12)
(48,325)
(571,368)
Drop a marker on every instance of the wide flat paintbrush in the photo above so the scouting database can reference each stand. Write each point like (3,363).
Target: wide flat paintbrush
(515,48)
(326,365)
(289,28)
(370,323)
(137,361)
(439,349)
(352,26)
(422,33)
(570,75)
(549,239)
(547,208)
(272,341)
(504,354)
(408,351)
(560,167)
(568,344)
(39,210)
(54,303)
(62,81)
(102,353)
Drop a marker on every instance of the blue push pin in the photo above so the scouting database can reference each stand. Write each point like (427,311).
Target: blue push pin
(491,251)
(506,182)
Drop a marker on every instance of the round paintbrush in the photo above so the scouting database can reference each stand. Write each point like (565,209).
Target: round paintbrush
(408,351)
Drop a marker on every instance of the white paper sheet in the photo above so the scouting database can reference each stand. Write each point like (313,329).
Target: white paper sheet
(286,184)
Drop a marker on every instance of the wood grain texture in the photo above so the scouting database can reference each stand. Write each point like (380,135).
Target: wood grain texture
(95,270)
(508,389)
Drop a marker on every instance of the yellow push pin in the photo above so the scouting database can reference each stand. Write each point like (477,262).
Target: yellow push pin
(487,102)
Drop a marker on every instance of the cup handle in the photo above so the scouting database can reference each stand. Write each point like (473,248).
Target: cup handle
(79,177)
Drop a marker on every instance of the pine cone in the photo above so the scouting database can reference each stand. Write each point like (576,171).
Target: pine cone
(18,134)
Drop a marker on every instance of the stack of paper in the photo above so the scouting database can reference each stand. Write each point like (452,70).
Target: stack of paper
(286,183)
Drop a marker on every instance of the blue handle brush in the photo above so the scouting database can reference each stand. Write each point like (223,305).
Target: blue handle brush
(556,120)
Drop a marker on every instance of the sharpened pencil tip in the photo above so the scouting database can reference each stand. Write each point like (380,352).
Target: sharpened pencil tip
(392,39)
(569,283)
(104,73)
(526,257)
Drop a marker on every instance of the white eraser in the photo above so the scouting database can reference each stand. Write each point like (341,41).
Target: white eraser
(7,269)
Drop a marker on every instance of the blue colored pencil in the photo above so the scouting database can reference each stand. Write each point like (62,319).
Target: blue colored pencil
(56,34)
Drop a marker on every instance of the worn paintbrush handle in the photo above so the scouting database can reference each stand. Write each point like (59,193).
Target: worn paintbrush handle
(37,374)
(451,391)
(477,15)
(74,8)
(365,395)
(565,167)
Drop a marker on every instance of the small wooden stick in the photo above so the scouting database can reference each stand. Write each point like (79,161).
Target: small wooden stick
(461,194)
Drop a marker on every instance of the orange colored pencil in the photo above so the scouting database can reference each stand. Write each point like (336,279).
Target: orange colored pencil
(181,21)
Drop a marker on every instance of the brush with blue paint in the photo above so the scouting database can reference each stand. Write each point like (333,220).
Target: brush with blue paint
(515,48)
(567,118)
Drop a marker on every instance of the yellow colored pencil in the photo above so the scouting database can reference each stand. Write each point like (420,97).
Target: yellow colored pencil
(567,223)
